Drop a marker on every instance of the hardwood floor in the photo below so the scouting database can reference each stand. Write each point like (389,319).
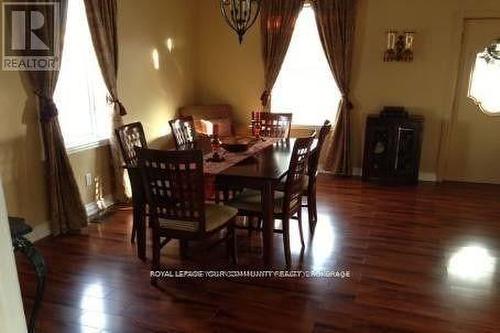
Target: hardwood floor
(421,259)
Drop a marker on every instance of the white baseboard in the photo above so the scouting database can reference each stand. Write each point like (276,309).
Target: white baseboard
(43,230)
(427,177)
(422,176)
(93,208)
(39,231)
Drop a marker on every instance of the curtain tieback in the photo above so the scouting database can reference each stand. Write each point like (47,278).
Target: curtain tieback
(347,101)
(48,109)
(264,98)
(116,101)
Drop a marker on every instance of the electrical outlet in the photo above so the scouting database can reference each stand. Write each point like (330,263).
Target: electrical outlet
(88,179)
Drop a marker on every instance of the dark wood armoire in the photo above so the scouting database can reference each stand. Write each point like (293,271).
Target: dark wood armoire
(393,141)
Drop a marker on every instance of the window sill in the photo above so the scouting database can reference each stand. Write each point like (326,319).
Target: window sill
(305,127)
(86,146)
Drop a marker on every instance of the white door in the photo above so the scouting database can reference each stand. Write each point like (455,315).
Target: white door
(474,150)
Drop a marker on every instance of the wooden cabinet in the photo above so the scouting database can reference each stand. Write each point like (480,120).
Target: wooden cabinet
(392,148)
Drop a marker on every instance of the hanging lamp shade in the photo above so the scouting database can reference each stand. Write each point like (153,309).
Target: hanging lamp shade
(240,15)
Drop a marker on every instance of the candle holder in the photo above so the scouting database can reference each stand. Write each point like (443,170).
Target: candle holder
(215,143)
(256,125)
(399,46)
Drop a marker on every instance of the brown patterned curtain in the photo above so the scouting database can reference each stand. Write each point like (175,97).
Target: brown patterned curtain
(67,213)
(278,19)
(101,15)
(336,24)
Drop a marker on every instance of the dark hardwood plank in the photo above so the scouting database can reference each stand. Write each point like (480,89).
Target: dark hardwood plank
(397,243)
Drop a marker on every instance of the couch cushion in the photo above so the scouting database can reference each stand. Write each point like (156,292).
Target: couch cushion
(206,126)
(215,216)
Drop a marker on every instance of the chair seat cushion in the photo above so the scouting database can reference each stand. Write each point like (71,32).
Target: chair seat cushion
(250,200)
(215,217)
(305,183)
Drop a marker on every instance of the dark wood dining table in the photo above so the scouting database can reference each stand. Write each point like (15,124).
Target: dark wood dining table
(263,171)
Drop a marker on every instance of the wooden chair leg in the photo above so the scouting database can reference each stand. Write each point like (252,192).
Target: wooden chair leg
(231,243)
(314,205)
(155,263)
(139,229)
(134,232)
(183,249)
(286,242)
(299,217)
(137,215)
(250,225)
(310,209)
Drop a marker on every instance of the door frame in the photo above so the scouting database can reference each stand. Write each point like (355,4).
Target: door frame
(449,121)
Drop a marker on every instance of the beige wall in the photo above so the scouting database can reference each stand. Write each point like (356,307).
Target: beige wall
(150,96)
(97,163)
(226,71)
(21,166)
(231,73)
(153,96)
(424,86)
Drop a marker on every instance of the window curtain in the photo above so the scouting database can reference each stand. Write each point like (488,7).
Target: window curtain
(336,25)
(67,213)
(278,19)
(101,15)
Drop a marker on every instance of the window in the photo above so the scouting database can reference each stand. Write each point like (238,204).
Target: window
(485,79)
(81,94)
(305,85)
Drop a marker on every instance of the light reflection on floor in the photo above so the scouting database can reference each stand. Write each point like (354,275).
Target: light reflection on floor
(324,242)
(93,306)
(322,245)
(473,265)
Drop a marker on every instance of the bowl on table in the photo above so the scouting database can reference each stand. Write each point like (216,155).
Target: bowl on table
(237,144)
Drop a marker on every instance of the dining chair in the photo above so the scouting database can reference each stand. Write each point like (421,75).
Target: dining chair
(183,131)
(287,204)
(309,185)
(129,137)
(272,125)
(176,198)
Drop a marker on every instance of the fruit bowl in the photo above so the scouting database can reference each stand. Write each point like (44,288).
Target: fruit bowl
(237,144)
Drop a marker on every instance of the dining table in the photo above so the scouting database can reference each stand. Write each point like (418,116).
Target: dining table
(262,167)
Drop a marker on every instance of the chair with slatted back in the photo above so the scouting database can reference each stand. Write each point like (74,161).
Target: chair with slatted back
(176,199)
(309,187)
(287,204)
(183,131)
(272,125)
(129,137)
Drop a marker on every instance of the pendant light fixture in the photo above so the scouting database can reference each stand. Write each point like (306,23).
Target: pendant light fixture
(240,15)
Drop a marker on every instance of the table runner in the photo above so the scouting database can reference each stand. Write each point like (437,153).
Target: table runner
(211,169)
